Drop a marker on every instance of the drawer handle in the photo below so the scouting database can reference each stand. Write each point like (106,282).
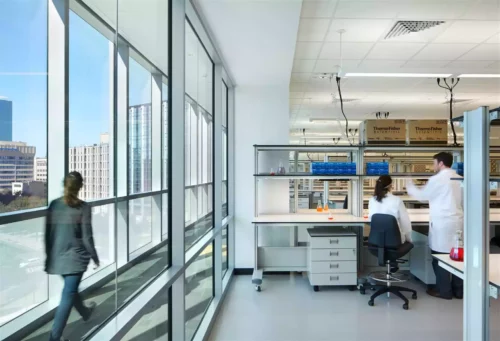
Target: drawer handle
(334,266)
(334,241)
(334,278)
(334,253)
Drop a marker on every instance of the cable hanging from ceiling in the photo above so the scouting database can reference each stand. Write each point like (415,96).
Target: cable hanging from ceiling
(449,88)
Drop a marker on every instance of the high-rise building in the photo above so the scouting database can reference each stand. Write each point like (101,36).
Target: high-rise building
(140,165)
(16,163)
(5,119)
(93,163)
(41,169)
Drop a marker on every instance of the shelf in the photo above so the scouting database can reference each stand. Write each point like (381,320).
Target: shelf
(492,179)
(292,176)
(402,176)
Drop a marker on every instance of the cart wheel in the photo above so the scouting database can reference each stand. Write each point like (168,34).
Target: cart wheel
(316,288)
(405,306)
(258,288)
(414,296)
(371,303)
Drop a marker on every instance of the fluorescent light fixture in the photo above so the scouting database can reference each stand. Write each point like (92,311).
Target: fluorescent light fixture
(402,75)
(480,75)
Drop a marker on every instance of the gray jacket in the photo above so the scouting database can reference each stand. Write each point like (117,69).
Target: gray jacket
(69,244)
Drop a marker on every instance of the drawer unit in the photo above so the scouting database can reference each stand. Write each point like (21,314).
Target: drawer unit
(336,242)
(333,279)
(332,257)
(332,254)
(333,267)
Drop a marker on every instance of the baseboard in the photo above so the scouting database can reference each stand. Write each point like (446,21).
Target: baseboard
(243,271)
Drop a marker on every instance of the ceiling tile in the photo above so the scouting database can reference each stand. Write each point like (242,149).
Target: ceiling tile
(494,66)
(330,65)
(424,36)
(469,32)
(317,9)
(394,51)
(443,51)
(380,65)
(349,50)
(313,29)
(303,65)
(427,10)
(425,64)
(300,77)
(299,87)
(483,52)
(483,11)
(358,30)
(494,40)
(305,50)
(469,64)
(296,94)
(371,10)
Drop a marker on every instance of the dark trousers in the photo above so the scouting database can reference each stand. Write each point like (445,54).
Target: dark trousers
(70,297)
(446,283)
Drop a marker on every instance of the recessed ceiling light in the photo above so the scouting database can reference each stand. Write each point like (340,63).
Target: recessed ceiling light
(480,75)
(402,75)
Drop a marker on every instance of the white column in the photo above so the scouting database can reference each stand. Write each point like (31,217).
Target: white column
(176,185)
(121,119)
(57,89)
(476,225)
(231,177)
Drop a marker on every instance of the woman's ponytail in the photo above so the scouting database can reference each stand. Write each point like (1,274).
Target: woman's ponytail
(382,187)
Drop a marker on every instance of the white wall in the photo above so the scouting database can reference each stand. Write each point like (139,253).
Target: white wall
(262,118)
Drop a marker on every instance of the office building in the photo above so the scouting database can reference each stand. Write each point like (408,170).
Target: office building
(5,119)
(16,163)
(92,162)
(41,169)
(234,198)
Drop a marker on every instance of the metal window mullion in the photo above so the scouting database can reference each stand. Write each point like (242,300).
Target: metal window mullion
(476,204)
(230,175)
(217,177)
(176,97)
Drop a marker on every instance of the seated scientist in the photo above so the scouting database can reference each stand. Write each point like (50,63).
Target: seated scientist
(384,202)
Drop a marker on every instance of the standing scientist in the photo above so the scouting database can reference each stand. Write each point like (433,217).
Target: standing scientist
(446,218)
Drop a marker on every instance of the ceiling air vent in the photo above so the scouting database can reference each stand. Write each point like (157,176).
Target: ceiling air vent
(402,28)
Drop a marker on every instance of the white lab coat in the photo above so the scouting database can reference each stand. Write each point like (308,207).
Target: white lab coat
(394,206)
(445,208)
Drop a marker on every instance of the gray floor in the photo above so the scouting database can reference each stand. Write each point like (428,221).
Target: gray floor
(287,309)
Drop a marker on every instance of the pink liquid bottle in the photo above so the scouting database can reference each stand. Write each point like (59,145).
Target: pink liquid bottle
(457,251)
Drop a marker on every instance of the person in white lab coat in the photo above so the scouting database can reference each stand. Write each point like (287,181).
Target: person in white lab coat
(446,218)
(384,202)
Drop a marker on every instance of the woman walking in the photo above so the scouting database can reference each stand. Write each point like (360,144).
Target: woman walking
(69,246)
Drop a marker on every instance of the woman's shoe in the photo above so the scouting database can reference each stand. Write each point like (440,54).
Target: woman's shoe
(91,307)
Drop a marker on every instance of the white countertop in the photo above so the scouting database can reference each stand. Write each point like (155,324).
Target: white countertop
(342,216)
(494,274)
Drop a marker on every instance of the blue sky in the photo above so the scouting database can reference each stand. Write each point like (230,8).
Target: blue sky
(23,68)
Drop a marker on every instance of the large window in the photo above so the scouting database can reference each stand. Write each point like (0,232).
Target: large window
(90,109)
(23,105)
(198,139)
(139,128)
(199,290)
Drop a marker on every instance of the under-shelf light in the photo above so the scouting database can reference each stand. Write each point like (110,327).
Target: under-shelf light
(400,75)
(480,75)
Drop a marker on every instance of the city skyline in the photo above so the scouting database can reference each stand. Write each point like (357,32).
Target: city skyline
(23,77)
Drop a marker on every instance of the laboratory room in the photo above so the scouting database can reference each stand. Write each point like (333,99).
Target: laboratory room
(367,207)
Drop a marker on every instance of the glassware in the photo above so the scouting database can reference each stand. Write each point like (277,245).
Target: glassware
(272,171)
(320,207)
(325,207)
(457,251)
(330,215)
(281,168)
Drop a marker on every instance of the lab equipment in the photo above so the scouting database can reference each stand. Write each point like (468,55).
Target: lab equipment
(457,251)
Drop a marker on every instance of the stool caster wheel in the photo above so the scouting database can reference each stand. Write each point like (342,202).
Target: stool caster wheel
(414,297)
(258,288)
(362,291)
(371,303)
(316,288)
(405,306)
